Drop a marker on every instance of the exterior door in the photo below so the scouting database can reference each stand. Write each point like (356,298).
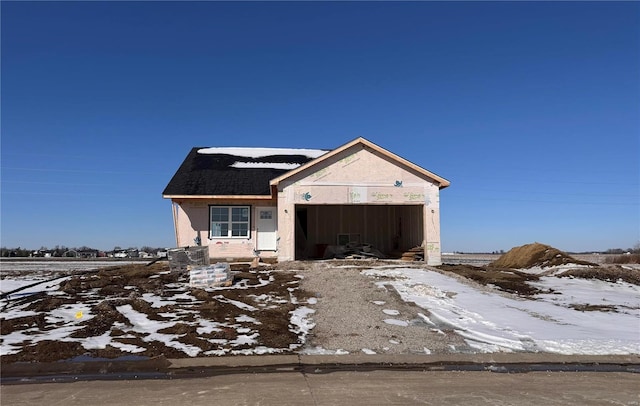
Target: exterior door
(266,225)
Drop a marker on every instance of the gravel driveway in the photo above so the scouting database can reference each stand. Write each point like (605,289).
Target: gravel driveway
(353,314)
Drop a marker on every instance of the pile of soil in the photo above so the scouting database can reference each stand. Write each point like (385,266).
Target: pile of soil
(507,280)
(535,255)
(605,273)
(504,274)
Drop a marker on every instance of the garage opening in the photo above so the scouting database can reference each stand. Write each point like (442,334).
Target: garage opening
(390,229)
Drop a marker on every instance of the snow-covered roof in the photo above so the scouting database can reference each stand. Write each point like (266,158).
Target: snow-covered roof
(235,171)
(262,152)
(272,165)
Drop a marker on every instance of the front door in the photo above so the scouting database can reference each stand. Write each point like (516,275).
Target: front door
(266,225)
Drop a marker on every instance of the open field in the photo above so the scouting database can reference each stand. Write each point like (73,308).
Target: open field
(484,259)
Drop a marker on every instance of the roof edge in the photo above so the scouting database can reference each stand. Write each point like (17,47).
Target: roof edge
(209,197)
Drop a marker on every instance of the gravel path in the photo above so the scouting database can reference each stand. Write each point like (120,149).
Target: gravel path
(352,314)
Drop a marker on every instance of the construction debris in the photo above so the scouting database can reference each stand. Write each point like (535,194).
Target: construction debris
(180,259)
(414,254)
(210,276)
(352,251)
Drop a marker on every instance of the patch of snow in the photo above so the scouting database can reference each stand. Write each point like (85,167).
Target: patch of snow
(262,152)
(236,303)
(317,350)
(8,285)
(207,327)
(390,312)
(244,339)
(312,300)
(553,270)
(185,296)
(368,351)
(426,319)
(127,347)
(379,302)
(396,322)
(142,324)
(300,323)
(260,350)
(70,313)
(271,165)
(218,353)
(157,301)
(243,318)
(578,291)
(99,342)
(15,313)
(498,322)
(323,351)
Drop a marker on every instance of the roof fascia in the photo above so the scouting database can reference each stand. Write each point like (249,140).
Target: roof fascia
(219,197)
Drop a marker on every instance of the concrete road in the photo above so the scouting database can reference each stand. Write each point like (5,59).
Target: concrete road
(343,388)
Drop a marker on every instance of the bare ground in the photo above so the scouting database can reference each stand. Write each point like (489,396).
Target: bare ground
(125,285)
(351,312)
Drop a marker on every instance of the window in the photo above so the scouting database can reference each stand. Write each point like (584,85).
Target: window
(229,221)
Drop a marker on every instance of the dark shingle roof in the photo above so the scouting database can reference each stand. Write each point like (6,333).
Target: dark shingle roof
(212,175)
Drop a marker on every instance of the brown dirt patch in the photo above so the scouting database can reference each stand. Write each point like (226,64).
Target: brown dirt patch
(605,273)
(22,323)
(534,255)
(506,279)
(259,303)
(593,308)
(106,315)
(502,272)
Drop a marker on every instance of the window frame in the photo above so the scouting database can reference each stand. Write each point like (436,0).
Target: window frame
(230,222)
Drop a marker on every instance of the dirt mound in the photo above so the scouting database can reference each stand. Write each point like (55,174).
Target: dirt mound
(509,281)
(605,273)
(534,255)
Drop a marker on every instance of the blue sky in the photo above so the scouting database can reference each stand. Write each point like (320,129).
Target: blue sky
(530,109)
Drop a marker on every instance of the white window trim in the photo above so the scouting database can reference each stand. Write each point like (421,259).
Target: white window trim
(230,222)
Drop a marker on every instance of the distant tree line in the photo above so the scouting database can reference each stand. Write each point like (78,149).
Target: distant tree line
(61,251)
(614,251)
(618,251)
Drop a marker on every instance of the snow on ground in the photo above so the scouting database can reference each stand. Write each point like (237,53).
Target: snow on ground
(63,321)
(56,265)
(570,316)
(9,285)
(492,321)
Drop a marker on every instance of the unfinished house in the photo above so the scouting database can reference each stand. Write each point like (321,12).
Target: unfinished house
(291,204)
